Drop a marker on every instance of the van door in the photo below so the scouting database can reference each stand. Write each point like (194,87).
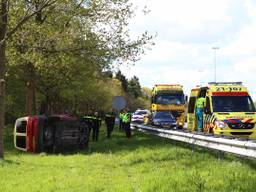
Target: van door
(207,116)
(191,117)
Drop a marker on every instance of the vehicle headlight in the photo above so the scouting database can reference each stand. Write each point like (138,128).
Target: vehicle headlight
(157,123)
(221,124)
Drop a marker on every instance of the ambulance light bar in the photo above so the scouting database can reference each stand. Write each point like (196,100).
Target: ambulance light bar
(225,83)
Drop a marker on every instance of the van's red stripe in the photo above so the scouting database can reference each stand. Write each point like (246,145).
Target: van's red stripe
(29,143)
(230,94)
(249,120)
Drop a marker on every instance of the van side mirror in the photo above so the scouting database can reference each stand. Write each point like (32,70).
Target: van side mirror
(186,98)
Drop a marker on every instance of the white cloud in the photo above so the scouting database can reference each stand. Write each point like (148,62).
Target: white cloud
(187,31)
(187,13)
(247,65)
(189,20)
(244,43)
(167,74)
(164,51)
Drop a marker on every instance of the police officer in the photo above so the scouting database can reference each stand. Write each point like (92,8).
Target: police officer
(83,143)
(121,114)
(88,120)
(200,103)
(110,122)
(126,119)
(96,126)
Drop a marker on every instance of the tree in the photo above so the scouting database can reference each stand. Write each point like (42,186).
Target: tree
(6,32)
(123,80)
(146,92)
(61,48)
(134,88)
(85,33)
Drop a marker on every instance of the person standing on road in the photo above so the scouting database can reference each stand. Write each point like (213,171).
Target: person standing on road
(110,122)
(96,126)
(200,103)
(126,123)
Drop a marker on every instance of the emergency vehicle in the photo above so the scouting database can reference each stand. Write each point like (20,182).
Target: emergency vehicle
(169,97)
(229,110)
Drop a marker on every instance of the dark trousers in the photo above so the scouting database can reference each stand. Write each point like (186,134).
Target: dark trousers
(127,129)
(95,133)
(89,132)
(120,125)
(110,127)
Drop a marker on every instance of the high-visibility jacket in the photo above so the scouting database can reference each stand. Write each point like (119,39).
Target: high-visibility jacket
(96,121)
(200,103)
(109,115)
(126,118)
(88,119)
(110,118)
(121,116)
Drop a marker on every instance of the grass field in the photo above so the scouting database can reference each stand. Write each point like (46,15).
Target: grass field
(142,163)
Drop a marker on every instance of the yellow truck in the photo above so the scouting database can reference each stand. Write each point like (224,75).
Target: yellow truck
(229,110)
(169,97)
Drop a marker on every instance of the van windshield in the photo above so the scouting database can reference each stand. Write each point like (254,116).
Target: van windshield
(163,115)
(166,99)
(140,112)
(232,104)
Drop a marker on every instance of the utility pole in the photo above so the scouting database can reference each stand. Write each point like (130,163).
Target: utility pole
(215,63)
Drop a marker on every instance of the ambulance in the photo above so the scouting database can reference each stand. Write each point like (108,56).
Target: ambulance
(229,110)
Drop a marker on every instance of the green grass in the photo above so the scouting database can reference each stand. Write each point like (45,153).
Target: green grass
(142,163)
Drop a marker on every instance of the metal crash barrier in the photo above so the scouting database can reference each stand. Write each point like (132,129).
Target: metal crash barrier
(246,148)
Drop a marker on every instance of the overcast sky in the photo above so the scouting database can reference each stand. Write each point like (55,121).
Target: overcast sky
(187,30)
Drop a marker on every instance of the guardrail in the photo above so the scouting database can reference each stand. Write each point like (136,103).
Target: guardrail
(246,148)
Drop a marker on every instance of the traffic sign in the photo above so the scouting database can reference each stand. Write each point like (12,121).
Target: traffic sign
(118,102)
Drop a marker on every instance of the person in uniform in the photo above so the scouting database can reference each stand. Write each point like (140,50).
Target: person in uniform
(121,114)
(110,122)
(126,123)
(200,103)
(88,120)
(96,121)
(84,141)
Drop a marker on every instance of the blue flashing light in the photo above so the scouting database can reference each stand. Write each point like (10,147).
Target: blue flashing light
(225,83)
